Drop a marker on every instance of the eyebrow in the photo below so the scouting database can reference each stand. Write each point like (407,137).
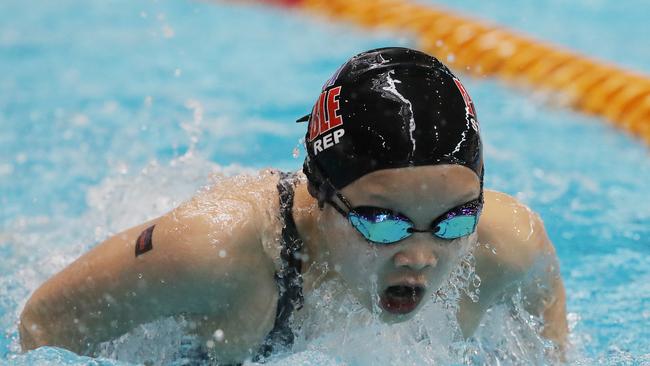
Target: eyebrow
(380,198)
(473,196)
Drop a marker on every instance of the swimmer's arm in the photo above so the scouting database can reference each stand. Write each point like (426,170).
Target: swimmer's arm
(109,290)
(515,252)
(543,289)
(66,305)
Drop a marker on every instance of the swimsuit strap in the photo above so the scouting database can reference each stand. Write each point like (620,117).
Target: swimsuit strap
(289,279)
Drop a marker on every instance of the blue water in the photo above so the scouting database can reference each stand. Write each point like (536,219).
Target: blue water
(112,112)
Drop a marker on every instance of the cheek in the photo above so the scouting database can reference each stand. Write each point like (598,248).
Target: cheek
(451,253)
(355,258)
(339,239)
(348,253)
(467,244)
(459,249)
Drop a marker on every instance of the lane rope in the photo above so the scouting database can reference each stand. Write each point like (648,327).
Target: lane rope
(484,50)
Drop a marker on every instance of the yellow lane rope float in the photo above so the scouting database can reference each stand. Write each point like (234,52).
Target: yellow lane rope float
(587,85)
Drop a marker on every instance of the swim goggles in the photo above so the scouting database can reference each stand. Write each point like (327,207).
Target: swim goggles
(384,226)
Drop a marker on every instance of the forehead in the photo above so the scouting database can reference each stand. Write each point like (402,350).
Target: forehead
(435,186)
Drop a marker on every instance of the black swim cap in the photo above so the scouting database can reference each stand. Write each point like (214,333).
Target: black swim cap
(389,108)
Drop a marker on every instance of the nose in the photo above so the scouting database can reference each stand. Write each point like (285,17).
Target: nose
(416,257)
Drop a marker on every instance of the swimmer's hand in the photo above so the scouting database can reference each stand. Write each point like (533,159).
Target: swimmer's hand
(198,259)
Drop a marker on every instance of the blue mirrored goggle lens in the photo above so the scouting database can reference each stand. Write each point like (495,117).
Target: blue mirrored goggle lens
(380,228)
(456,227)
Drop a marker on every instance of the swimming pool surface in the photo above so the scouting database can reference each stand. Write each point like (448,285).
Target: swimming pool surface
(113,112)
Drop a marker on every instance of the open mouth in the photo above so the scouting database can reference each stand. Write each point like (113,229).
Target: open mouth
(401,299)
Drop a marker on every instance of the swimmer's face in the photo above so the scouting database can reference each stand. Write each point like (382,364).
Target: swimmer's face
(398,278)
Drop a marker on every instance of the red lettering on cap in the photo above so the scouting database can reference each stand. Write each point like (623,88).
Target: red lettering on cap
(322,117)
(333,107)
(317,118)
(313,125)
(469,105)
(325,115)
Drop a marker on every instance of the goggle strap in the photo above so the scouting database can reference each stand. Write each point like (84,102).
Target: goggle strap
(345,201)
(338,208)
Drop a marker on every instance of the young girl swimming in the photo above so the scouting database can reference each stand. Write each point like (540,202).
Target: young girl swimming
(390,201)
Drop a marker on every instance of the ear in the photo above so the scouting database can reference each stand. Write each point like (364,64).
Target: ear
(313,191)
(317,194)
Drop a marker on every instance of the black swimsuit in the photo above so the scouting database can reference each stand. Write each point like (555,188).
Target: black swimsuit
(289,280)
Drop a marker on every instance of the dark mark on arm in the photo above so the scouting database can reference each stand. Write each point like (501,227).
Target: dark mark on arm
(143,244)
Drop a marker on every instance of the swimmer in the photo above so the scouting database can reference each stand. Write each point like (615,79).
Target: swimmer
(390,199)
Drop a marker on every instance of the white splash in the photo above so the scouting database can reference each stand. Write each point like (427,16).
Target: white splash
(392,88)
(457,148)
(338,329)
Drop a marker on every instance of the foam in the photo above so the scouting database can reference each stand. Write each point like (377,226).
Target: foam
(123,200)
(35,248)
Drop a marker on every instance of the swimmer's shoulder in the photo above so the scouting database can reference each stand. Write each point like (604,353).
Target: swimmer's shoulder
(223,239)
(513,252)
(229,223)
(215,242)
(512,237)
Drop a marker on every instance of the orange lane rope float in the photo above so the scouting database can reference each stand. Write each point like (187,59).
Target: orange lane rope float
(477,48)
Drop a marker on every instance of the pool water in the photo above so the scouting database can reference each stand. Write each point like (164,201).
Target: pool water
(114,112)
